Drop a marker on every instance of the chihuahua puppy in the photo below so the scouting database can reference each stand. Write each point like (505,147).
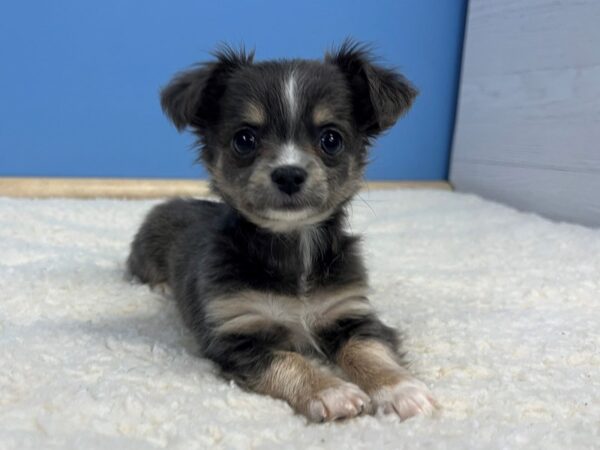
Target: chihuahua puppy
(268,281)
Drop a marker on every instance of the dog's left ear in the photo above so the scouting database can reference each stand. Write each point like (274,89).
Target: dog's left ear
(379,95)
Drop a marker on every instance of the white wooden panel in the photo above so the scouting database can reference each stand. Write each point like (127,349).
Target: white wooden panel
(530,106)
(509,36)
(561,197)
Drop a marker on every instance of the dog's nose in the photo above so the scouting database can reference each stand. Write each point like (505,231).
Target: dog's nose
(289,179)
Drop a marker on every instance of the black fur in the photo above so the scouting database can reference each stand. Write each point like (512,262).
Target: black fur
(204,250)
(380,95)
(210,250)
(192,98)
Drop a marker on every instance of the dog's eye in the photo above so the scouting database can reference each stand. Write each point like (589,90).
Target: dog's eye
(331,142)
(244,141)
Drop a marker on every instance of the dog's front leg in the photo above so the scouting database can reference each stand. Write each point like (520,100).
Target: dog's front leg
(309,389)
(366,350)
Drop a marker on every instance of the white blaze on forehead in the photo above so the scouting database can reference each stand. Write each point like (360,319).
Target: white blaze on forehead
(291,95)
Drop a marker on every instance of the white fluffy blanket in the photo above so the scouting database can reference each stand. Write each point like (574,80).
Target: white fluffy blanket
(501,312)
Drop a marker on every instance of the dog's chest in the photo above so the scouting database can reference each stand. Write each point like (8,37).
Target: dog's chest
(301,316)
(299,292)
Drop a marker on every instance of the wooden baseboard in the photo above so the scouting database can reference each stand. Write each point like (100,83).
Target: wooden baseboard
(146,188)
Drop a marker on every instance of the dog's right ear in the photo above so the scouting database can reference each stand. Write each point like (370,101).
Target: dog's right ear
(192,97)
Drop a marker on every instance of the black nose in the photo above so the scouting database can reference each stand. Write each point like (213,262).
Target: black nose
(289,179)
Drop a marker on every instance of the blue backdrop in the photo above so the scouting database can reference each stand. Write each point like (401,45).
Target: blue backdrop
(79,80)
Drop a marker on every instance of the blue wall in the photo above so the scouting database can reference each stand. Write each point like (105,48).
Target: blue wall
(79,80)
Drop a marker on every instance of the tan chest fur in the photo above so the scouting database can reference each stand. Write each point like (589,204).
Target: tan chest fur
(251,310)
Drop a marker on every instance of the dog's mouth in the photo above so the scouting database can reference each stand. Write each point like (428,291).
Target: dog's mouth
(279,213)
(283,220)
(288,214)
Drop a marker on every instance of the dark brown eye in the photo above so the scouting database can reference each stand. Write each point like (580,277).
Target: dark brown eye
(331,142)
(244,141)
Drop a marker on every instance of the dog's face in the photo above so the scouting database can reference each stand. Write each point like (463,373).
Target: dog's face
(286,141)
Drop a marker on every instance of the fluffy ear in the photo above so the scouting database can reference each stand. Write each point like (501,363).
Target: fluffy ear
(380,95)
(192,97)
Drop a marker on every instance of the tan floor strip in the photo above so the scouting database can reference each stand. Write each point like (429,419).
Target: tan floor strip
(146,188)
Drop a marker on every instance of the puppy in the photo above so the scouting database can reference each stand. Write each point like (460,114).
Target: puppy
(268,281)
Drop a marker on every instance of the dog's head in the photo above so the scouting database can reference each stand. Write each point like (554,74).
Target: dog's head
(286,141)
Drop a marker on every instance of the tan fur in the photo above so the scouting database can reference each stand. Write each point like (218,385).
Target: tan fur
(322,116)
(252,310)
(293,378)
(371,364)
(311,391)
(254,114)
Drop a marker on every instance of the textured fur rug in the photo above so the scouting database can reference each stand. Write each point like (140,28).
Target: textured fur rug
(501,312)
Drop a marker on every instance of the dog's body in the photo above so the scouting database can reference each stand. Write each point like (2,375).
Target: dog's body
(269,281)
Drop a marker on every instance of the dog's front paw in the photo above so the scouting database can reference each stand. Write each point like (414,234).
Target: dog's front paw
(407,398)
(343,401)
